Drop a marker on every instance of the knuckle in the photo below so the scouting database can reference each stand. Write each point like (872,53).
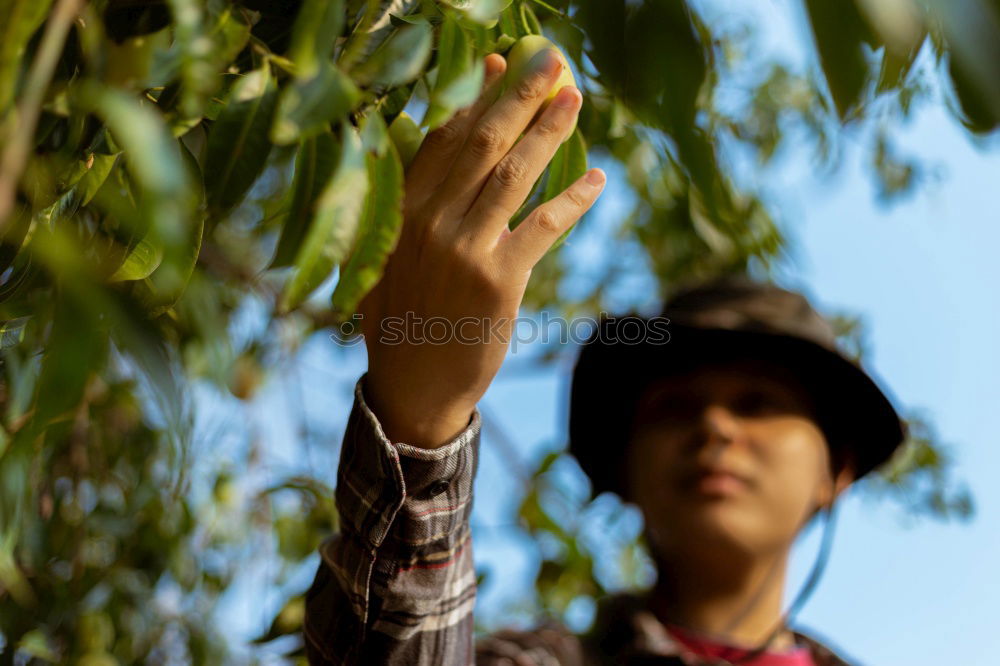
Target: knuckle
(576,198)
(550,127)
(489,287)
(547,221)
(445,137)
(530,88)
(510,172)
(486,140)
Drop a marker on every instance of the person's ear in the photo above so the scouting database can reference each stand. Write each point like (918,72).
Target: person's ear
(838,484)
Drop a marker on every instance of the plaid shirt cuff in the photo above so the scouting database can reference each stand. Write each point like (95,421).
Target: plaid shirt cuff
(397,584)
(378,478)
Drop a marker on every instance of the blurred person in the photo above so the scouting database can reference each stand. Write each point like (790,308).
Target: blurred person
(730,435)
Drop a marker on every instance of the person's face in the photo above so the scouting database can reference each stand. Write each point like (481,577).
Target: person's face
(729,456)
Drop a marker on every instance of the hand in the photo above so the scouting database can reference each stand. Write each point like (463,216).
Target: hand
(458,273)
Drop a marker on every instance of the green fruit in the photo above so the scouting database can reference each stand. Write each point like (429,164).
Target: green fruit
(406,136)
(517,67)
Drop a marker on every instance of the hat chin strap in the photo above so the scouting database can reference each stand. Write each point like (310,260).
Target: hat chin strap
(808,587)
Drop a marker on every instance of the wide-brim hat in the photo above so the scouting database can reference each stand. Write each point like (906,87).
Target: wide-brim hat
(733,317)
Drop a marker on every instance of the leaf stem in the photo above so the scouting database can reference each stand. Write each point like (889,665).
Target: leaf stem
(557,12)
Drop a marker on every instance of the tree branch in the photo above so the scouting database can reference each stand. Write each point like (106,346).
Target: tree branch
(21,126)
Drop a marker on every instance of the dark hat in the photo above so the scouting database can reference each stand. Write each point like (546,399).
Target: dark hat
(728,318)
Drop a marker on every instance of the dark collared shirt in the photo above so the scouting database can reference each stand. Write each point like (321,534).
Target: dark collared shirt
(397,584)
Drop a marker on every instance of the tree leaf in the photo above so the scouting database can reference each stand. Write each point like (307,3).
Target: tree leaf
(140,261)
(314,164)
(459,77)
(980,115)
(307,106)
(511,24)
(13,236)
(487,12)
(374,133)
(604,25)
(75,346)
(841,31)
(95,177)
(317,27)
(150,150)
(972,30)
(453,53)
(567,166)
(166,191)
(398,60)
(412,19)
(12,331)
(334,227)
(21,18)
(667,65)
(378,234)
(406,137)
(238,146)
(164,286)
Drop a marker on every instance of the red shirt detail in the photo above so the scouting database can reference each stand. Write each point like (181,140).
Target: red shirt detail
(703,646)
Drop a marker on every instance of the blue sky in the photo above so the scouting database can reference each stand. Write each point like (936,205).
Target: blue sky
(923,272)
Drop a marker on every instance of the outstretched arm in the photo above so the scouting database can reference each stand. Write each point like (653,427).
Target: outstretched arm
(397,585)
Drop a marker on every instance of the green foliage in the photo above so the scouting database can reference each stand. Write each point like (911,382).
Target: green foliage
(164,164)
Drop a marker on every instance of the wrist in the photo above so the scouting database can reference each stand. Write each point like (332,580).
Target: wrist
(424,426)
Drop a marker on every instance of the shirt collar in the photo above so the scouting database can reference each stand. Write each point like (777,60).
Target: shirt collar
(626,628)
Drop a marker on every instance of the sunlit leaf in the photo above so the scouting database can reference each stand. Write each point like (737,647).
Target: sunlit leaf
(485,12)
(400,59)
(314,164)
(406,137)
(163,287)
(205,42)
(92,181)
(379,231)
(374,133)
(307,106)
(567,166)
(12,331)
(140,261)
(459,78)
(335,224)
(317,26)
(20,20)
(150,150)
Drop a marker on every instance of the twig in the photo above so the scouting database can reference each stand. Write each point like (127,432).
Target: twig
(22,129)
(552,9)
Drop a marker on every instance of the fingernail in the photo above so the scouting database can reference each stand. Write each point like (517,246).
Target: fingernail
(595,177)
(566,99)
(492,67)
(544,61)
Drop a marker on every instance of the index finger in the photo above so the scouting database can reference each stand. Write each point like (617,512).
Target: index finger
(497,131)
(439,148)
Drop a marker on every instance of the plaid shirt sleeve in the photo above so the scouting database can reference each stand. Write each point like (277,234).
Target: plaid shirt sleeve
(397,584)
